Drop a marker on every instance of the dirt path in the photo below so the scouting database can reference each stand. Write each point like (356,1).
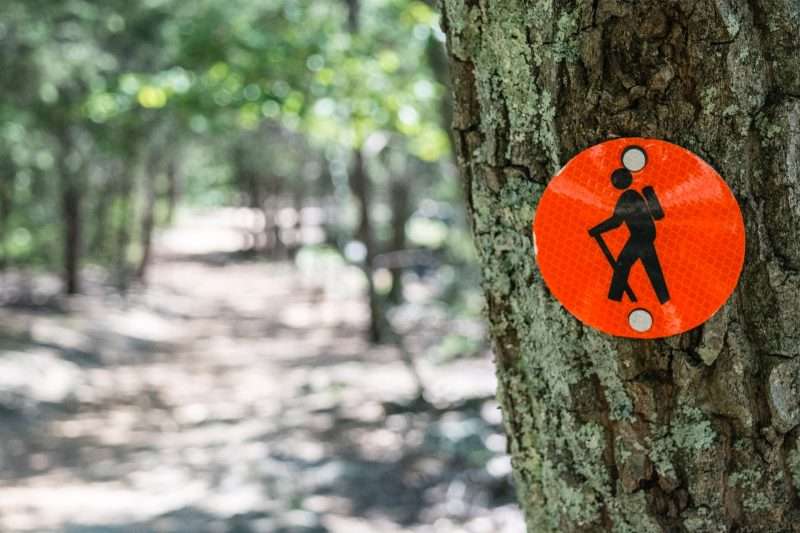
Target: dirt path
(238,396)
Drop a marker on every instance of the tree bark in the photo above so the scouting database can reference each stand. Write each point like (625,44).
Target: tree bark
(697,432)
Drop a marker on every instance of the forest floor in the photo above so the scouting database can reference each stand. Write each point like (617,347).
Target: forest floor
(238,396)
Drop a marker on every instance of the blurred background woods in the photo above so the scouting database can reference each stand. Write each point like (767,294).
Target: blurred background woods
(237,284)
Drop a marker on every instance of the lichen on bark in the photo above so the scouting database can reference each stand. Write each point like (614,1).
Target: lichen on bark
(684,434)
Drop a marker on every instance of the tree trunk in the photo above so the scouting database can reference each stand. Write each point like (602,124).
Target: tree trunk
(71,216)
(71,200)
(6,203)
(272,200)
(298,199)
(697,432)
(400,201)
(173,191)
(148,214)
(360,184)
(362,190)
(100,210)
(123,232)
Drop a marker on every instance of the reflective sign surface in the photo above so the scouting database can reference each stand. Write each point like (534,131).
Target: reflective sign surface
(639,238)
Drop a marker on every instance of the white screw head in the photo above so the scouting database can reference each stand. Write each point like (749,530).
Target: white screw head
(640,320)
(634,158)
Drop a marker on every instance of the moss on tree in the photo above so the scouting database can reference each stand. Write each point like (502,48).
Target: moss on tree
(614,434)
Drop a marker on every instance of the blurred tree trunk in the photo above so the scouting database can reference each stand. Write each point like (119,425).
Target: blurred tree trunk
(248,180)
(71,199)
(173,190)
(298,199)
(270,206)
(101,209)
(436,54)
(148,214)
(361,186)
(123,233)
(71,215)
(401,211)
(697,432)
(6,203)
(353,13)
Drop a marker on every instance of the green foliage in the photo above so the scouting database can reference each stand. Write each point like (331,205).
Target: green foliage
(109,104)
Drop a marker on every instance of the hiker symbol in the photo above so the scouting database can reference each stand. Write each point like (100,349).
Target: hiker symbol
(638,211)
(665,242)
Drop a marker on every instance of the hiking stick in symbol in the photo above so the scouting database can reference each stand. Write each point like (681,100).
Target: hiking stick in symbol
(613,262)
(639,212)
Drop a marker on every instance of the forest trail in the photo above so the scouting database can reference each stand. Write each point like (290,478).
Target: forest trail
(235,395)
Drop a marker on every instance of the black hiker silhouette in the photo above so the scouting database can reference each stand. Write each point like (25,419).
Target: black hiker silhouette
(639,213)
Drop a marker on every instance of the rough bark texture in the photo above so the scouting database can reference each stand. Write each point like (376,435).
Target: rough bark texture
(697,432)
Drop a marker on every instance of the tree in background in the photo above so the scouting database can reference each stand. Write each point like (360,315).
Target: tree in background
(116,107)
(697,432)
(65,61)
(379,102)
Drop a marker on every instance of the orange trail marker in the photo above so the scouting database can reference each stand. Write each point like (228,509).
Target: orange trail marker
(639,238)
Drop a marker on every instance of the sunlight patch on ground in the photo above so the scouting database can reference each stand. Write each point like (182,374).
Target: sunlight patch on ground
(109,503)
(243,394)
(38,376)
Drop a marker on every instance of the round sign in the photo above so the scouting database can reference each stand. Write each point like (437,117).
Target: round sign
(639,238)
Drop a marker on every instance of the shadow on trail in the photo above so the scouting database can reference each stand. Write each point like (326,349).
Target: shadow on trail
(240,399)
